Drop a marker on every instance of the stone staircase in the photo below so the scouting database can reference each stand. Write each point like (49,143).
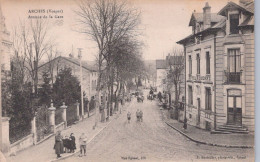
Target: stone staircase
(228,129)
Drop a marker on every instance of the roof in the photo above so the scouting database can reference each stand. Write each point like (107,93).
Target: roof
(85,64)
(174,60)
(249,8)
(161,64)
(199,17)
(246,7)
(250,21)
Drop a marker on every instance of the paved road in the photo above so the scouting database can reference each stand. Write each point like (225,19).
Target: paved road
(151,140)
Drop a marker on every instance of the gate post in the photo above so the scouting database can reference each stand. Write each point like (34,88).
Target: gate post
(5,135)
(33,130)
(52,117)
(64,114)
(77,103)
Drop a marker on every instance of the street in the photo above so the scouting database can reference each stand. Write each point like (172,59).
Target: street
(152,140)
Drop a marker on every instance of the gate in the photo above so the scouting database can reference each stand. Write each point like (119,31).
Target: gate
(42,123)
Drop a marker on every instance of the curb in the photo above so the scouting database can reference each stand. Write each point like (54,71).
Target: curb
(69,155)
(207,143)
(72,154)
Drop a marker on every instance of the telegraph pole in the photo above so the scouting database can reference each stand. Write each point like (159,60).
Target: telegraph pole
(81,82)
(1,131)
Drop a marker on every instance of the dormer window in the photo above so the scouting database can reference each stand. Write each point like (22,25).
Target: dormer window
(234,22)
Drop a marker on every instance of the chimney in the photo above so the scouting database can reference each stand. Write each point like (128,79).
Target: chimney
(206,16)
(244,2)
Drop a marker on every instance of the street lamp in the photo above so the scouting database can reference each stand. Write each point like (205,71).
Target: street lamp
(81,83)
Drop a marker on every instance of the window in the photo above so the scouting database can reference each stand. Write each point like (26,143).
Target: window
(234,22)
(207,63)
(198,64)
(234,60)
(190,95)
(208,99)
(190,65)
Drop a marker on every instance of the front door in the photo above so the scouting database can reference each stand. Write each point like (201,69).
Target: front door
(198,120)
(234,110)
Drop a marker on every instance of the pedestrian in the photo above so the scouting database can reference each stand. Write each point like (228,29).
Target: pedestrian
(141,115)
(83,144)
(160,96)
(58,144)
(137,115)
(92,103)
(66,143)
(128,116)
(72,143)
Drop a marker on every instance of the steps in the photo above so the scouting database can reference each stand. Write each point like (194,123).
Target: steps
(228,129)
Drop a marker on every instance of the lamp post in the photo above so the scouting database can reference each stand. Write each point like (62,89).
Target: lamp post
(81,82)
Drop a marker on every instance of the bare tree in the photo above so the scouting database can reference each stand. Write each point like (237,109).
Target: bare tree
(176,72)
(106,22)
(31,43)
(51,62)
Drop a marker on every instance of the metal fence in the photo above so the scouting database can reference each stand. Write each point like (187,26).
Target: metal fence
(71,114)
(58,116)
(42,123)
(18,132)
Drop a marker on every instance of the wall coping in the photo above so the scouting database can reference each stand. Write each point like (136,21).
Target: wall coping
(21,140)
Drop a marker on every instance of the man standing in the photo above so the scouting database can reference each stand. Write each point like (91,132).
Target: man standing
(83,144)
(128,116)
(141,115)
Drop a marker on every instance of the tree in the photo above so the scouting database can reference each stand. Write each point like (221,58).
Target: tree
(31,43)
(66,88)
(22,106)
(176,73)
(46,91)
(106,22)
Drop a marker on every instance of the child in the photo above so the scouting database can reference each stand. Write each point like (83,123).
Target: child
(83,144)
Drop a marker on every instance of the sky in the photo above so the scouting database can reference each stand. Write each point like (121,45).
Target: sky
(163,23)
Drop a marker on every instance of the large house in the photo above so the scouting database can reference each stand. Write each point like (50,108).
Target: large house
(89,72)
(219,79)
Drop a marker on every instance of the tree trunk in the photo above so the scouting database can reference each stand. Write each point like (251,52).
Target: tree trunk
(111,97)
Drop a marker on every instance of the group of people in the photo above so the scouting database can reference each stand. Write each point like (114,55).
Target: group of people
(68,144)
(64,145)
(139,116)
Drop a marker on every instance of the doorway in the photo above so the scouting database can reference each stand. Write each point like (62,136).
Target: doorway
(234,109)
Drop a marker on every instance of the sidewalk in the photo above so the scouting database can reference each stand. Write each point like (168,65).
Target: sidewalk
(44,151)
(205,137)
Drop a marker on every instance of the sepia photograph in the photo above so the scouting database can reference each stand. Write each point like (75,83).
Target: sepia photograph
(127,80)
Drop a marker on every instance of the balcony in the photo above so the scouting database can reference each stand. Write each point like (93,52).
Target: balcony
(233,77)
(199,78)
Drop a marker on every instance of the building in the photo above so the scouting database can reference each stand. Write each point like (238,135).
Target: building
(161,73)
(89,72)
(162,70)
(5,44)
(219,79)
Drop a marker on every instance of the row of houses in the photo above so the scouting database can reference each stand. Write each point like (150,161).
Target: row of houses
(219,67)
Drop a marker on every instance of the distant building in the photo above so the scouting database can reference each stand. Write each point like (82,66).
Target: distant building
(161,74)
(220,67)
(162,69)
(89,72)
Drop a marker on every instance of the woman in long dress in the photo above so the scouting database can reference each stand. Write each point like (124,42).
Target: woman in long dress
(73,142)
